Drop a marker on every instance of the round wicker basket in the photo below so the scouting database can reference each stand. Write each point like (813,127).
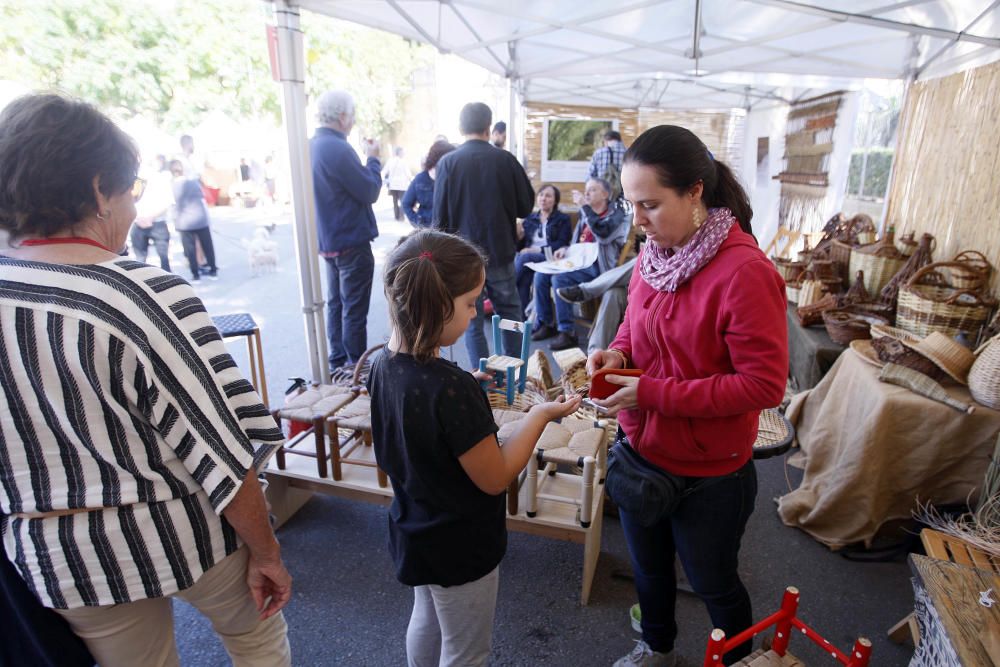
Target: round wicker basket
(984,376)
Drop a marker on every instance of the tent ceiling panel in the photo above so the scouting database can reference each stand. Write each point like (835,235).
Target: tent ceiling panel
(760,43)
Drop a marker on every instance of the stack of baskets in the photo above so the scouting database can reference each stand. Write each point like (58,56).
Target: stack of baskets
(859,230)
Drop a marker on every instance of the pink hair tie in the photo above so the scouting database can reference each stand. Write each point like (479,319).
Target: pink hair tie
(427,255)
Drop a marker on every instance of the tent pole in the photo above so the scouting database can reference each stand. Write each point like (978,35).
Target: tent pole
(292,76)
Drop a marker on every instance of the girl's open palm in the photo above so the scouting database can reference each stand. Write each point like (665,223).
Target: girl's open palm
(559,408)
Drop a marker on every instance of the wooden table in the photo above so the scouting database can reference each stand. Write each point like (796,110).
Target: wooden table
(811,352)
(955,629)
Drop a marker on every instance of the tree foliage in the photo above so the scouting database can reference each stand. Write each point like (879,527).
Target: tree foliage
(173,61)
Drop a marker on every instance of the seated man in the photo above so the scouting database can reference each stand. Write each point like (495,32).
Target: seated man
(601,222)
(611,287)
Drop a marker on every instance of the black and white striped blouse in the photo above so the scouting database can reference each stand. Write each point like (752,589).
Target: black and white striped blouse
(118,396)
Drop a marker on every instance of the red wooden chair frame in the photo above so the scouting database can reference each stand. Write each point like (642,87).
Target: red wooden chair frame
(784,620)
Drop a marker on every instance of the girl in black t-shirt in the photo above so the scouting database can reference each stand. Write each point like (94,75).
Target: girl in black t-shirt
(435,437)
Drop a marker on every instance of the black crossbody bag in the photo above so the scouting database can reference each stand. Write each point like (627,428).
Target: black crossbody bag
(646,492)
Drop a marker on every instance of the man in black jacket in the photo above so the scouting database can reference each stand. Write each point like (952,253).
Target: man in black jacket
(479,192)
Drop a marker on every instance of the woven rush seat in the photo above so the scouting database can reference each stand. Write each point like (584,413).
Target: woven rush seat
(774,434)
(500,362)
(356,415)
(316,405)
(571,442)
(320,400)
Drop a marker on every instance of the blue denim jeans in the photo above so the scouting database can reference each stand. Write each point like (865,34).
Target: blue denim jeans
(349,293)
(705,532)
(544,284)
(501,289)
(525,276)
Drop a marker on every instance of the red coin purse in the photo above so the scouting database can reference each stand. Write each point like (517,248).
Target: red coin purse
(601,388)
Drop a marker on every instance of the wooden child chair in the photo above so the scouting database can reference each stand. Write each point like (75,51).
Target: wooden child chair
(503,366)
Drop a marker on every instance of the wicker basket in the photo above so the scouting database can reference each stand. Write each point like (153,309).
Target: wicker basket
(788,269)
(863,228)
(846,324)
(840,252)
(984,376)
(534,393)
(974,270)
(891,350)
(813,313)
(879,261)
(929,303)
(824,269)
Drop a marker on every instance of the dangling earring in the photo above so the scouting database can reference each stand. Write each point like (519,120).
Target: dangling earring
(696,218)
(104,217)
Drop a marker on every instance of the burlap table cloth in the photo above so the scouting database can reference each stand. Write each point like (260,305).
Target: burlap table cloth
(873,450)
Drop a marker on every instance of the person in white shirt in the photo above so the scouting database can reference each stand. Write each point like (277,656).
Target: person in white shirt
(397,178)
(151,216)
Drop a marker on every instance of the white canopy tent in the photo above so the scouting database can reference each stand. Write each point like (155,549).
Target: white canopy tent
(678,54)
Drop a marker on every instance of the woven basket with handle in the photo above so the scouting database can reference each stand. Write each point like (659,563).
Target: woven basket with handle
(929,302)
(973,271)
(984,376)
(879,261)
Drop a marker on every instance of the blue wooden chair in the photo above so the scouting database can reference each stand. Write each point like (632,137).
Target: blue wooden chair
(511,373)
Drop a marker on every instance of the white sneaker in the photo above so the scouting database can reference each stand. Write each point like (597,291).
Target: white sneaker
(643,656)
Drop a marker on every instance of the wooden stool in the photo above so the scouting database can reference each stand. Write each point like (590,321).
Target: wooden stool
(312,406)
(242,324)
(356,418)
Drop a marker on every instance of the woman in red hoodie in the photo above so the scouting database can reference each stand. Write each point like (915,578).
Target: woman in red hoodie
(706,323)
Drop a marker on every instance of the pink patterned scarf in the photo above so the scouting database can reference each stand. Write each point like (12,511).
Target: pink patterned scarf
(666,270)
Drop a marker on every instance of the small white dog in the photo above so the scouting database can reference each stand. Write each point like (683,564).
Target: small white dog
(262,252)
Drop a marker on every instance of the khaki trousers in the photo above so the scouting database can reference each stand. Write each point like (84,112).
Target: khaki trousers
(142,632)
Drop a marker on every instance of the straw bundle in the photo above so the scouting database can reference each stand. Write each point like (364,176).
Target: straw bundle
(936,188)
(928,302)
(984,376)
(919,383)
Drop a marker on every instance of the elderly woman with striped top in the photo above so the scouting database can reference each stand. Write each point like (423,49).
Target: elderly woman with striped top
(129,441)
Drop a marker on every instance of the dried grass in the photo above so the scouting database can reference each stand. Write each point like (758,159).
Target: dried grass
(946,176)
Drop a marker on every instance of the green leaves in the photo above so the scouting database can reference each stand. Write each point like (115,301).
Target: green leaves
(173,61)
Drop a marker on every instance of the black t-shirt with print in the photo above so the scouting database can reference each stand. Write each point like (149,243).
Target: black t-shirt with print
(442,528)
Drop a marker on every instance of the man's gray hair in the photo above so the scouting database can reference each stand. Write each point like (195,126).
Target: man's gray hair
(332,104)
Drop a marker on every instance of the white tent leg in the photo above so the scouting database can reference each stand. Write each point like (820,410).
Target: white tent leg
(292,76)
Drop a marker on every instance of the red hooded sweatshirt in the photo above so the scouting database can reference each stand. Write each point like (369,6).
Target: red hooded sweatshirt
(715,353)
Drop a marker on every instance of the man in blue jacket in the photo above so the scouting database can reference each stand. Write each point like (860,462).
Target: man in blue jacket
(479,193)
(345,191)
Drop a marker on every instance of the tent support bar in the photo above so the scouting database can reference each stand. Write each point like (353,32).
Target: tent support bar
(475,34)
(416,26)
(292,76)
(863,19)
(947,46)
